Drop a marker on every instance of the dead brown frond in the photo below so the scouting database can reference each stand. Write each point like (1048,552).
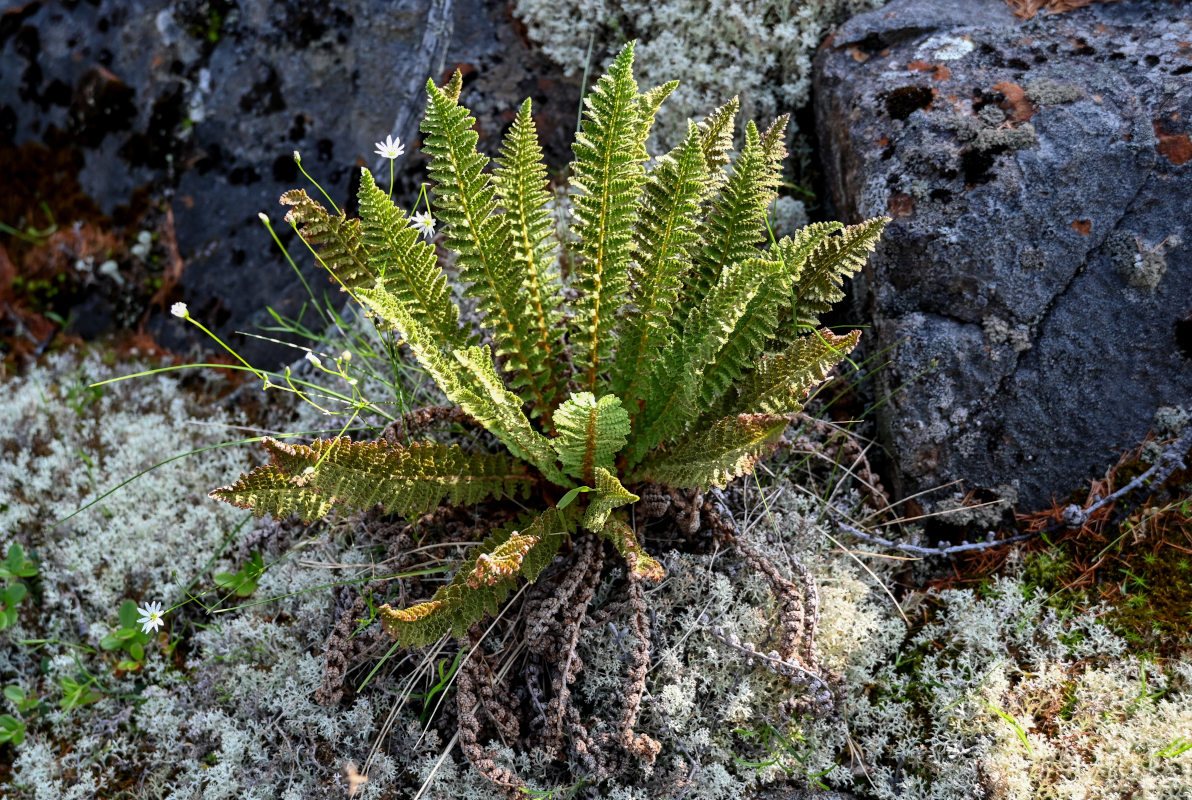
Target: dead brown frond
(1027,9)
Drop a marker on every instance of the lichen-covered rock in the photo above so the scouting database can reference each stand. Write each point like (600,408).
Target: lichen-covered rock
(1035,285)
(759,50)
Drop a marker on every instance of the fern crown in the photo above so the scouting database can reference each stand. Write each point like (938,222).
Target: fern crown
(667,341)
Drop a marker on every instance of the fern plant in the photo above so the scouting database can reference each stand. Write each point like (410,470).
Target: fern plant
(673,351)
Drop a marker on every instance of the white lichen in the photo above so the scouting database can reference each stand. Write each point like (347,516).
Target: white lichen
(760,50)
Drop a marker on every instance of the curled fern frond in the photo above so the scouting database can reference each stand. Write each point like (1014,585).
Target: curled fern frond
(610,494)
(337,239)
(624,540)
(503,562)
(479,590)
(590,433)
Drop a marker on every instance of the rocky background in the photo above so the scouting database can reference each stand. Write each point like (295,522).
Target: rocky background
(1034,290)
(148,135)
(1031,298)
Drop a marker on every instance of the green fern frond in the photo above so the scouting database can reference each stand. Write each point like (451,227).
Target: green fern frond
(409,481)
(736,222)
(479,590)
(270,490)
(406,265)
(337,239)
(679,370)
(590,433)
(833,259)
(521,183)
(476,388)
(723,310)
(429,353)
(751,331)
(624,540)
(764,314)
(482,394)
(610,494)
(465,200)
(648,104)
(716,140)
(781,382)
(665,233)
(671,400)
(453,87)
(713,456)
(607,175)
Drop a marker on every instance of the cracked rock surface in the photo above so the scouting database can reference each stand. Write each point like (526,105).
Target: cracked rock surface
(1035,285)
(119,111)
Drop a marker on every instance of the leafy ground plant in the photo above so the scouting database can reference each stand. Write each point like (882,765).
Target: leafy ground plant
(656,351)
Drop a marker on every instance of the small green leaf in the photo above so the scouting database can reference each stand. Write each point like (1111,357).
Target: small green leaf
(569,498)
(11,729)
(137,651)
(15,593)
(129,614)
(610,494)
(226,580)
(111,642)
(15,693)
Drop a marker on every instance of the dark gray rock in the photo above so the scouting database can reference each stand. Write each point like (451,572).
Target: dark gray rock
(196,106)
(1035,285)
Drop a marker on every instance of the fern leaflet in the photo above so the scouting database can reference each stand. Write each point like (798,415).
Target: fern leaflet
(607,174)
(405,265)
(715,455)
(520,179)
(409,481)
(665,233)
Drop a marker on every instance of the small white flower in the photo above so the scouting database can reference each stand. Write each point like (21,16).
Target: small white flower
(297,156)
(151,617)
(390,148)
(346,355)
(425,224)
(312,358)
(179,310)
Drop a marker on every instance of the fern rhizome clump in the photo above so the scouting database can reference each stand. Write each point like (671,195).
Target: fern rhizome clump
(661,355)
